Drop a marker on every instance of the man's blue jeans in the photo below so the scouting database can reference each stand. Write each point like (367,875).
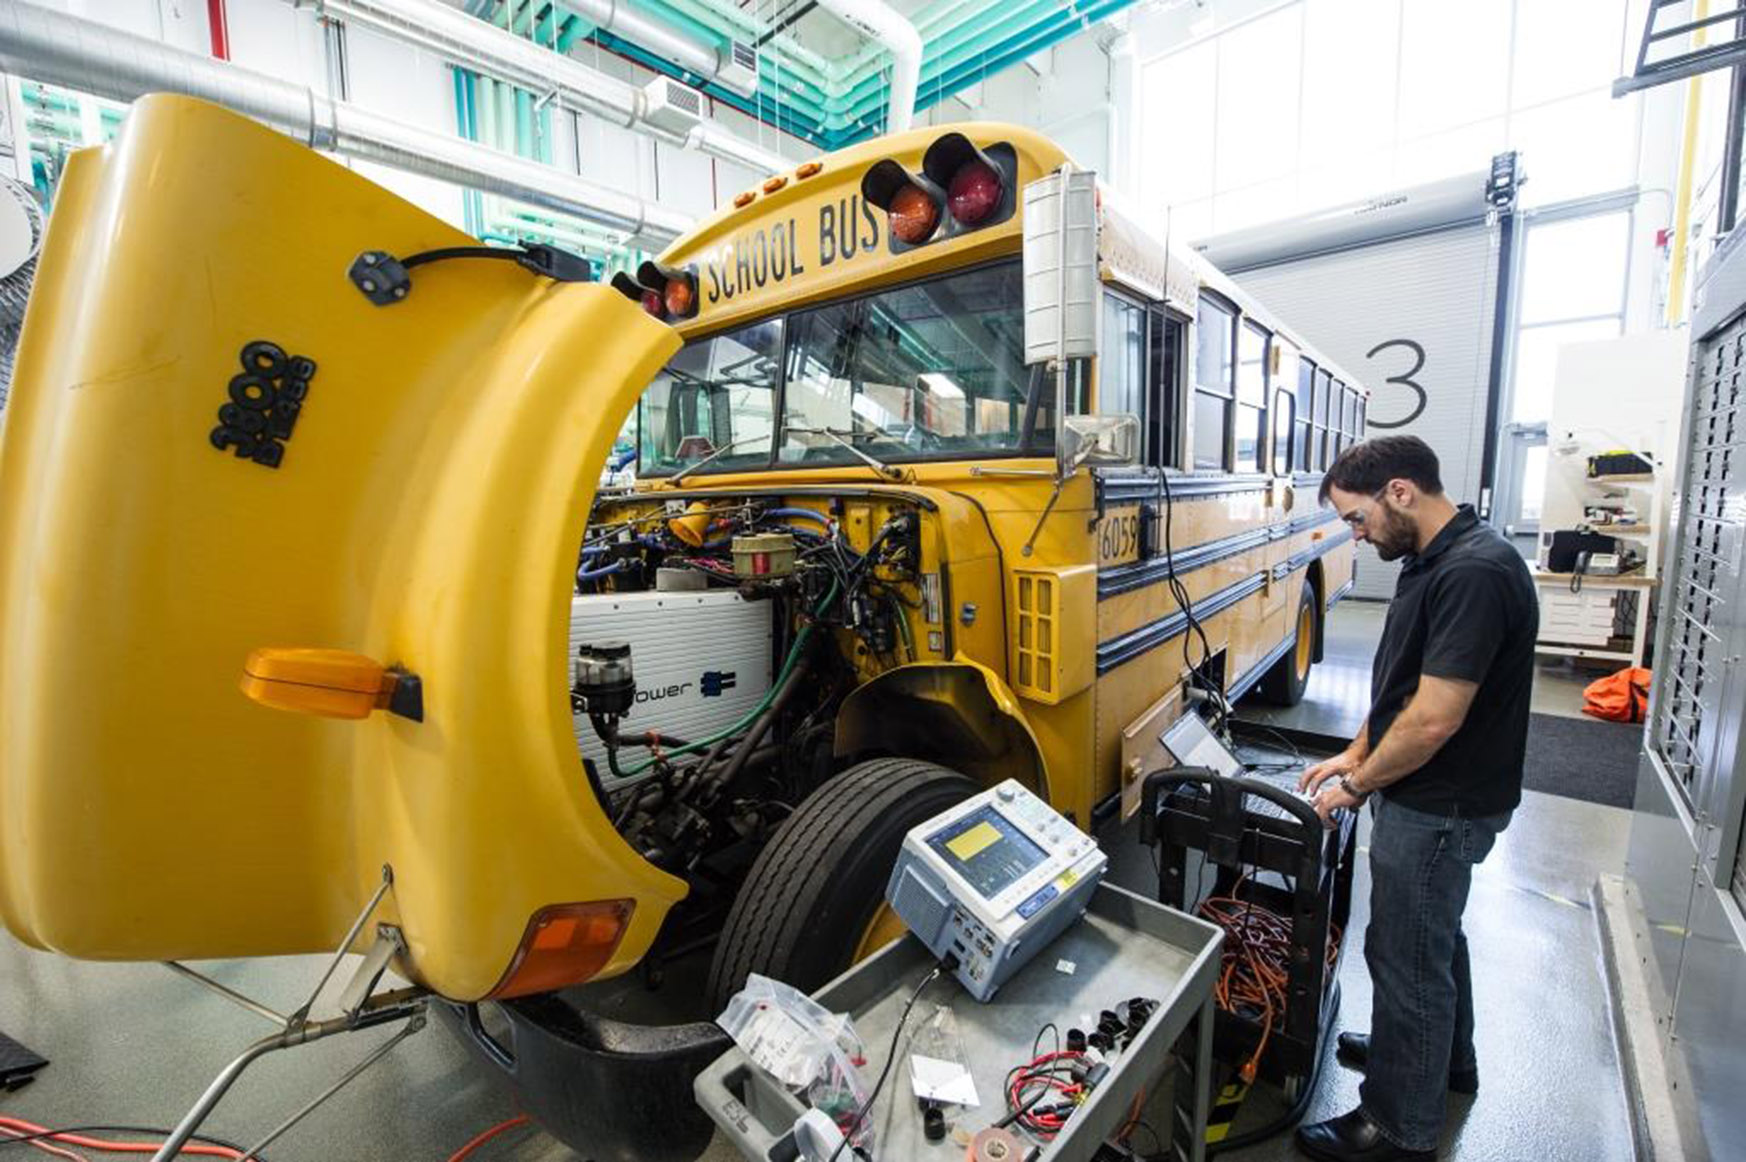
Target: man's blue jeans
(1421,1021)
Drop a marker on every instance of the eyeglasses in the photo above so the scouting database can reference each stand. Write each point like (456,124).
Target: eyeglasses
(1357,519)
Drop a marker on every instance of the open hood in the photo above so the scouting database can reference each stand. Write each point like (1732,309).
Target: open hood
(217,444)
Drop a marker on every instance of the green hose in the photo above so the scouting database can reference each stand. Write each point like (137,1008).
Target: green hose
(751,715)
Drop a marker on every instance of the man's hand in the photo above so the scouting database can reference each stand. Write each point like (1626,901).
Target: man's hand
(1343,763)
(1330,799)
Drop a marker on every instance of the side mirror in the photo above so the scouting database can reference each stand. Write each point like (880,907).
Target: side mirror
(1113,440)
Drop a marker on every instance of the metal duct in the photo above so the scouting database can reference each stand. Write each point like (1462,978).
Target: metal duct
(1440,205)
(877,21)
(94,58)
(707,61)
(474,44)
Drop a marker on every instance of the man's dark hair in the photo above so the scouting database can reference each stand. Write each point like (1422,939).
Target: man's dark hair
(1367,467)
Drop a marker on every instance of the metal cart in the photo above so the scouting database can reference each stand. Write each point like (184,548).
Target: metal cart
(1125,947)
(1244,826)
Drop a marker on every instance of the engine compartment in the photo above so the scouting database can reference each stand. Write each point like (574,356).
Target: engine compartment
(713,638)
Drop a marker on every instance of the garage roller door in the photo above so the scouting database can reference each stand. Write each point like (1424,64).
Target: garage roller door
(1401,291)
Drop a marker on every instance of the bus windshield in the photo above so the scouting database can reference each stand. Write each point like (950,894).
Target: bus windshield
(930,371)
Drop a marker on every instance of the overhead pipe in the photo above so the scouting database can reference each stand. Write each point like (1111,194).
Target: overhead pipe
(880,22)
(707,62)
(484,48)
(59,49)
(962,47)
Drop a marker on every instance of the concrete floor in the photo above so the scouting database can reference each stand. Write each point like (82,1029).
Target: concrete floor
(132,1043)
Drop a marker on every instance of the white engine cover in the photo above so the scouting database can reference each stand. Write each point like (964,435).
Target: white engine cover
(701,661)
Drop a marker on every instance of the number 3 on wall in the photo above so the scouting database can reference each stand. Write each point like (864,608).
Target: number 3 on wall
(1405,380)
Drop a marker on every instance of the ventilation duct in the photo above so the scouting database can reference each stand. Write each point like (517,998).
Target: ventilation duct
(58,49)
(877,21)
(474,44)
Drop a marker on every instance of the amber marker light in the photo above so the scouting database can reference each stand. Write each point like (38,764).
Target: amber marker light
(565,944)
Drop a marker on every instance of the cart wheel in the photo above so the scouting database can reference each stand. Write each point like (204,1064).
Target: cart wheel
(815,901)
(1284,683)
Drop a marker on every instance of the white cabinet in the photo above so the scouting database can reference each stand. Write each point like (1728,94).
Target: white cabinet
(1585,618)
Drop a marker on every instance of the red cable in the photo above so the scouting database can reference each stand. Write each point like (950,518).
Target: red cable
(40,1145)
(485,1137)
(113,1147)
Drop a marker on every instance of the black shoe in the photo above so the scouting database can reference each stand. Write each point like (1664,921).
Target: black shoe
(1353,1137)
(1353,1051)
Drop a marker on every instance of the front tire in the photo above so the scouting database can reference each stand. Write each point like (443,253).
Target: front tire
(805,910)
(1285,682)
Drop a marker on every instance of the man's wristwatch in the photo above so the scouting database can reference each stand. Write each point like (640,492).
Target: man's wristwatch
(1346,786)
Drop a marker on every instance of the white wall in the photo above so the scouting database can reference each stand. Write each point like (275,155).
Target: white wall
(1074,93)
(1620,393)
(408,83)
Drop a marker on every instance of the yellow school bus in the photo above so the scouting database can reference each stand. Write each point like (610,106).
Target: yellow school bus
(305,588)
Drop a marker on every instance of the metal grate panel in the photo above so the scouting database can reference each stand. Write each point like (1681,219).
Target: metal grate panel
(1704,572)
(1035,651)
(1740,878)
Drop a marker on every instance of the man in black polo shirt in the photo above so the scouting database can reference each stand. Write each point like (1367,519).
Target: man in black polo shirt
(1440,756)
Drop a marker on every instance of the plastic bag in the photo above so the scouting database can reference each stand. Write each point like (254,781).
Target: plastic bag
(809,1049)
(938,1070)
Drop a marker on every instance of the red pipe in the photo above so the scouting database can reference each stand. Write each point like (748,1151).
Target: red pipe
(220,27)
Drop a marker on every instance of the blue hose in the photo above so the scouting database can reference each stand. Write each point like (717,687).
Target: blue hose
(799,513)
(595,574)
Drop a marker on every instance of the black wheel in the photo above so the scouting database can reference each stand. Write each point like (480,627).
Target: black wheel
(1284,683)
(815,901)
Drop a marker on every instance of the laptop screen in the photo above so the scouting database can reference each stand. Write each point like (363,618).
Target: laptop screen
(1192,744)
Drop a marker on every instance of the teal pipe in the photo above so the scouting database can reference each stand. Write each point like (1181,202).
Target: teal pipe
(1020,22)
(503,135)
(524,130)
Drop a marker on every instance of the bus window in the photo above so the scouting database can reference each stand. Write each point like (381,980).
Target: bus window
(1339,419)
(1354,424)
(1214,375)
(1165,375)
(714,393)
(1322,442)
(1306,379)
(1284,415)
(1251,397)
(1121,376)
(931,370)
(1363,409)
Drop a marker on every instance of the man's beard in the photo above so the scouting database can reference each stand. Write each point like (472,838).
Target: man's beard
(1397,537)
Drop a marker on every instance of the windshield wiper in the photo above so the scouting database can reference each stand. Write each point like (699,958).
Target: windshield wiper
(878,466)
(711,458)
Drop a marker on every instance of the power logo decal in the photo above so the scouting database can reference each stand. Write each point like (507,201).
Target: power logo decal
(265,401)
(714,682)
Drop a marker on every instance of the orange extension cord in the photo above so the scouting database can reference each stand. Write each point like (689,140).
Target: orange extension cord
(461,1154)
(1256,963)
(19,1128)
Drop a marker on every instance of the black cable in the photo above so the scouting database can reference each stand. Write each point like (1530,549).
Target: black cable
(890,1060)
(1291,1116)
(1157,1141)
(1215,690)
(144,1131)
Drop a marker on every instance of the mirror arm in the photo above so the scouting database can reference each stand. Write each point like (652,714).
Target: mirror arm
(1060,483)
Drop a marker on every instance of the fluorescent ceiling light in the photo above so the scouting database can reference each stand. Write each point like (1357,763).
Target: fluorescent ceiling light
(940,386)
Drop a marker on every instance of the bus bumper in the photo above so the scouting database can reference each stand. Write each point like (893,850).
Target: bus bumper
(612,1091)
